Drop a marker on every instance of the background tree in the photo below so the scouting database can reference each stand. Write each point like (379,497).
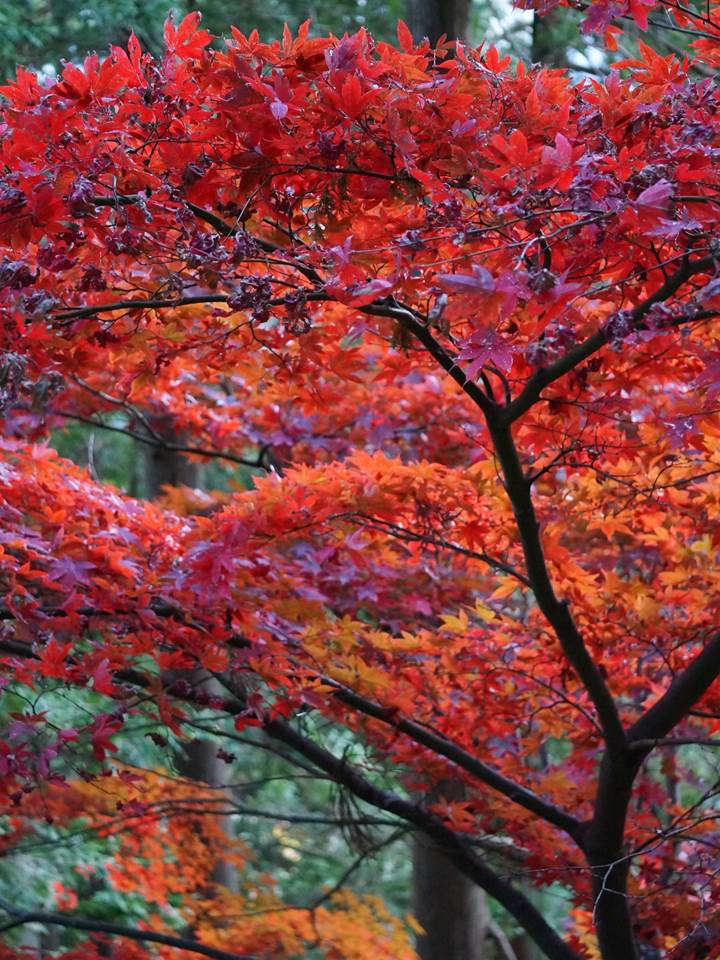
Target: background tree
(449,906)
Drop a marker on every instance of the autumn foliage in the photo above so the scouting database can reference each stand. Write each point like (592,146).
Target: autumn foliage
(458,318)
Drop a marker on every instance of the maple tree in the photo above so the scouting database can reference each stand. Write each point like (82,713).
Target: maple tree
(457,319)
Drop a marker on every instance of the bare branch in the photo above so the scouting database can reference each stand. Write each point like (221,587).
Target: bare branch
(456,848)
(153,442)
(426,737)
(644,745)
(682,694)
(414,323)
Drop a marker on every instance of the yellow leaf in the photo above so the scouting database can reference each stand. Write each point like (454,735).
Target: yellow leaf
(483,611)
(456,624)
(702,546)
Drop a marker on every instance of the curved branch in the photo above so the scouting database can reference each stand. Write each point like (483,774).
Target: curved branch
(456,849)
(412,322)
(682,694)
(400,533)
(583,351)
(466,860)
(229,230)
(556,612)
(158,303)
(426,737)
(113,929)
(152,303)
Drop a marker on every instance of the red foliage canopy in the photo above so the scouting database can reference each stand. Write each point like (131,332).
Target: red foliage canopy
(462,316)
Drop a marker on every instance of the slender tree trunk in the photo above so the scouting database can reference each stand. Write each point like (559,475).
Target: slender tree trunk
(433,18)
(31,940)
(167,468)
(450,908)
(548,45)
(199,761)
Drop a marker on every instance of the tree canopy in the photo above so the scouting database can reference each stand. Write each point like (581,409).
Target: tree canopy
(455,318)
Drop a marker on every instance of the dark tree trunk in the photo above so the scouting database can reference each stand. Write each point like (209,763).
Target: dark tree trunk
(449,907)
(167,468)
(606,854)
(433,18)
(548,45)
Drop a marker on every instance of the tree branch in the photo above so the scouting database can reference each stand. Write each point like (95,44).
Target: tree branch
(400,533)
(153,442)
(515,902)
(426,737)
(583,351)
(113,929)
(409,320)
(151,303)
(417,732)
(556,611)
(338,770)
(228,230)
(674,742)
(685,690)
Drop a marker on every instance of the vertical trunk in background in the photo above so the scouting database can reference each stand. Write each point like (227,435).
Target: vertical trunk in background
(549,49)
(433,18)
(524,948)
(198,759)
(167,468)
(450,908)
(549,46)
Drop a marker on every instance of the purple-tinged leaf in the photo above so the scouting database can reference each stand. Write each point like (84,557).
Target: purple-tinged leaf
(656,196)
(361,294)
(479,282)
(560,155)
(483,348)
(69,573)
(710,291)
(671,229)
